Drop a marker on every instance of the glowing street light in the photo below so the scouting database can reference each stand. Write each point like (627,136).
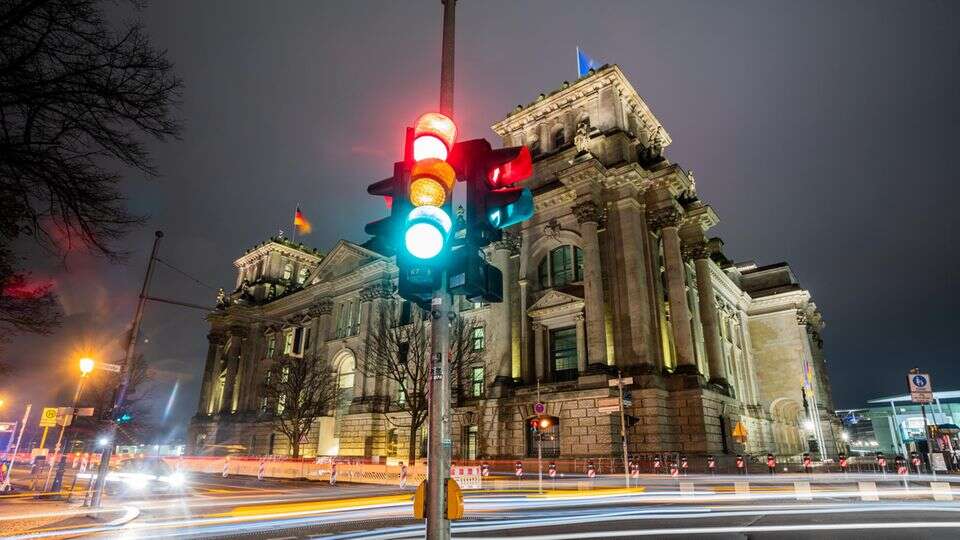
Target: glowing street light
(86,366)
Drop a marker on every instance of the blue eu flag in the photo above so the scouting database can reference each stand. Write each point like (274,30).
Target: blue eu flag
(584,64)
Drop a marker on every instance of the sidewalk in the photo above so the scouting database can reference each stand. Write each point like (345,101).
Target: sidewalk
(22,513)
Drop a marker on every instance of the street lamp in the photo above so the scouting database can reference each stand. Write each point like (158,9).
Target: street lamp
(86,366)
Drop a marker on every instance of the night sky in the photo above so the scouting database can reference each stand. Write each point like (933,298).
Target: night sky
(823,133)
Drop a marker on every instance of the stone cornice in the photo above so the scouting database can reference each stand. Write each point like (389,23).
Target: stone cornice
(651,130)
(789,300)
(701,216)
(265,249)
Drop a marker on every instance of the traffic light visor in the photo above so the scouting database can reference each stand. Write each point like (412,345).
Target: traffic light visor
(434,125)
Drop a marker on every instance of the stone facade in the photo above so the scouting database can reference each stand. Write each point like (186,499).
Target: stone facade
(614,273)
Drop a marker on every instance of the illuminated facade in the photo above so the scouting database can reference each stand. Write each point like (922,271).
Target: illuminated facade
(615,272)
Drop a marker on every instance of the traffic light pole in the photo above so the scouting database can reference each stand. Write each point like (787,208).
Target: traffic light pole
(127,367)
(623,432)
(441,315)
(441,446)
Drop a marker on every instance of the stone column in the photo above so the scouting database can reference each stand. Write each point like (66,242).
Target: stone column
(667,221)
(525,370)
(581,345)
(500,323)
(630,216)
(590,215)
(538,353)
(709,317)
(237,335)
(215,341)
(322,310)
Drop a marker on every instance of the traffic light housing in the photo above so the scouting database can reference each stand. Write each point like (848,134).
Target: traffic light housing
(124,418)
(420,198)
(491,207)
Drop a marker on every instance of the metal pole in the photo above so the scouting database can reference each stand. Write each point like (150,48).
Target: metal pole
(623,431)
(124,377)
(539,435)
(926,437)
(13,460)
(438,526)
(446,58)
(63,455)
(441,315)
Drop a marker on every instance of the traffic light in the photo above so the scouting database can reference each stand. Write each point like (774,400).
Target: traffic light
(491,206)
(420,198)
(124,418)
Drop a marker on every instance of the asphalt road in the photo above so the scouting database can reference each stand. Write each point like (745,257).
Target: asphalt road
(661,507)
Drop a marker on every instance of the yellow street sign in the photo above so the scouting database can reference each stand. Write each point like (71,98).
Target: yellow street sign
(739,432)
(48,418)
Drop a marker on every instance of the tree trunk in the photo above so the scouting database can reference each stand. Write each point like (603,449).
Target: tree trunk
(412,454)
(295,446)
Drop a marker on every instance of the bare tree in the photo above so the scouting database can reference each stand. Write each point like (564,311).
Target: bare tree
(300,390)
(397,349)
(76,97)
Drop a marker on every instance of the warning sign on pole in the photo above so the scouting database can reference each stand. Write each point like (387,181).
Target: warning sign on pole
(739,432)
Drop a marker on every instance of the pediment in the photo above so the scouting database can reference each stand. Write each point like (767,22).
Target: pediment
(554,303)
(343,259)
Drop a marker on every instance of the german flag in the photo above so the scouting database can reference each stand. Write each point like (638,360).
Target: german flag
(301,223)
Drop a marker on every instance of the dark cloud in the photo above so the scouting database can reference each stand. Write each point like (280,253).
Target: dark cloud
(822,133)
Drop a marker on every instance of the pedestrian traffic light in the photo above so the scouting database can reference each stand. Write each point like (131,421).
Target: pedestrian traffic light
(124,418)
(419,196)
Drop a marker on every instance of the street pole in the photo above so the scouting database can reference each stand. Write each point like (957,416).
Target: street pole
(539,435)
(623,431)
(926,437)
(124,378)
(438,526)
(13,461)
(441,315)
(67,420)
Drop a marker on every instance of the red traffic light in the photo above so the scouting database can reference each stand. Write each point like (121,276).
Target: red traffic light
(509,166)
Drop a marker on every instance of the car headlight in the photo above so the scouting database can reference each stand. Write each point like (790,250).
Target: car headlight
(177,479)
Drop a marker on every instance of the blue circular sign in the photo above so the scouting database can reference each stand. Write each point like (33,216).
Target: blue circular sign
(919,381)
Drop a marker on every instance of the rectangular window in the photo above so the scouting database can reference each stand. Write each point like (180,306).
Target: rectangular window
(577,264)
(306,340)
(288,341)
(563,353)
(478,339)
(297,341)
(281,403)
(477,382)
(561,266)
(271,346)
(355,320)
(405,312)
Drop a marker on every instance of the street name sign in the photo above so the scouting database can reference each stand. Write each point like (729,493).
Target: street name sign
(109,367)
(921,390)
(8,427)
(615,382)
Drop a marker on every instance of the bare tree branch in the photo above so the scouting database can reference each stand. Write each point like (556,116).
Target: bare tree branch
(299,390)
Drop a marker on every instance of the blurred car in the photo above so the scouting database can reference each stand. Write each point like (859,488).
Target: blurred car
(144,476)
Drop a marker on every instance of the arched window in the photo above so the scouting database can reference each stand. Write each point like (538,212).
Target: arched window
(302,275)
(559,138)
(561,266)
(287,271)
(346,372)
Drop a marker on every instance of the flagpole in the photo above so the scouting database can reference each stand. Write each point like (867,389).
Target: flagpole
(294,239)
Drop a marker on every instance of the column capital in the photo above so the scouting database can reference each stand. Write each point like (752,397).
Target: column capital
(695,250)
(323,306)
(377,290)
(579,317)
(589,212)
(217,337)
(510,242)
(238,331)
(801,317)
(661,218)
